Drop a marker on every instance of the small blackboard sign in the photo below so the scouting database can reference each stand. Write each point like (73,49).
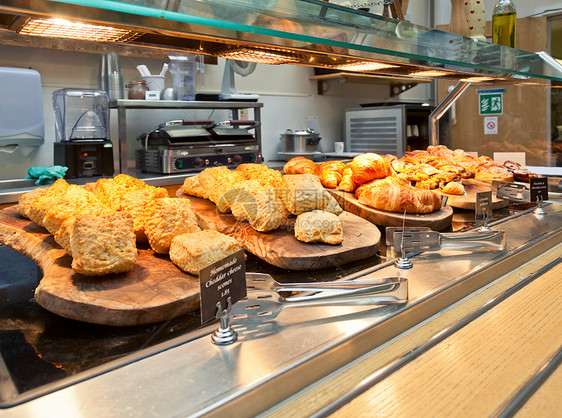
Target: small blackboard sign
(221,280)
(483,205)
(539,188)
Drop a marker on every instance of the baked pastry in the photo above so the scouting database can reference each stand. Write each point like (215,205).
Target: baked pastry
(27,200)
(38,208)
(110,191)
(193,251)
(330,173)
(217,180)
(166,218)
(319,226)
(70,204)
(103,244)
(193,187)
(299,165)
(231,195)
(489,171)
(266,176)
(347,184)
(395,194)
(303,193)
(453,187)
(136,202)
(520,172)
(261,207)
(369,166)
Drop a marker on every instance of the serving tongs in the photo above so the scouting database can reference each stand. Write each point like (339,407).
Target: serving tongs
(266,297)
(419,239)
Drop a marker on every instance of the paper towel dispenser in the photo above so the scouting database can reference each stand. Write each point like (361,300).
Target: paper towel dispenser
(21,109)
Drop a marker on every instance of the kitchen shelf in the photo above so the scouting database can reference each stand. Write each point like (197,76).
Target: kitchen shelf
(123,106)
(306,32)
(396,85)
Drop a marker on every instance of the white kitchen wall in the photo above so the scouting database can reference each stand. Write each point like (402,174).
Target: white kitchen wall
(286,91)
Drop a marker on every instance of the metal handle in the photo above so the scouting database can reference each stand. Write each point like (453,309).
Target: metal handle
(472,240)
(394,288)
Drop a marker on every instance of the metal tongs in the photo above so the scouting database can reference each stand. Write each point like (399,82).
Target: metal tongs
(410,240)
(513,192)
(266,296)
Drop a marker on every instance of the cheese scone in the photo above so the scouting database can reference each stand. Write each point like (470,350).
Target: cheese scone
(166,218)
(261,207)
(136,201)
(303,193)
(233,193)
(319,226)
(193,251)
(103,244)
(266,176)
(26,200)
(36,212)
(217,180)
(193,187)
(70,204)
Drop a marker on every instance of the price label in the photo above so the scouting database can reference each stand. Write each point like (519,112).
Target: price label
(483,205)
(539,188)
(221,280)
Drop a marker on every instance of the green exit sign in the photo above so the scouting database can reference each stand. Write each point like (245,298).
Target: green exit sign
(490,102)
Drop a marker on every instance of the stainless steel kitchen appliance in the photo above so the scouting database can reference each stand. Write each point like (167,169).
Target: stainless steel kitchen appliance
(191,145)
(300,142)
(82,133)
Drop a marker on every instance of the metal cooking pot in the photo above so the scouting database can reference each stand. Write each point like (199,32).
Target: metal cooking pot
(300,141)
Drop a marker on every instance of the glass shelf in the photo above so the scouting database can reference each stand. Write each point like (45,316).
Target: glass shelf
(307,32)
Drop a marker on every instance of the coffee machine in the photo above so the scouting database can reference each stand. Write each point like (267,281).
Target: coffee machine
(82,140)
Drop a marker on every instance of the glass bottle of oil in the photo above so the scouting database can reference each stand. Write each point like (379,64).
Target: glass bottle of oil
(503,23)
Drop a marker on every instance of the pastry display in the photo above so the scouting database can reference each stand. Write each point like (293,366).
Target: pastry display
(108,212)
(193,251)
(319,226)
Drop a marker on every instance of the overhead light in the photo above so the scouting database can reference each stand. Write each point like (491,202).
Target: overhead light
(428,74)
(60,28)
(363,66)
(260,55)
(476,79)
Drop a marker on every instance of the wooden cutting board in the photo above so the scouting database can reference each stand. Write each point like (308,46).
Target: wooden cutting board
(468,200)
(280,247)
(437,220)
(155,290)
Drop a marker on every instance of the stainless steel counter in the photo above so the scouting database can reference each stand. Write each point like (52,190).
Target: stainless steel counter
(275,357)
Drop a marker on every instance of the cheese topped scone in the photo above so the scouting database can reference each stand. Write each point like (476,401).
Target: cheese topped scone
(166,218)
(319,226)
(103,244)
(193,251)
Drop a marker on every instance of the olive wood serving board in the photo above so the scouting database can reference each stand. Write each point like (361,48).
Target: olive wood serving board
(437,220)
(468,200)
(154,290)
(280,248)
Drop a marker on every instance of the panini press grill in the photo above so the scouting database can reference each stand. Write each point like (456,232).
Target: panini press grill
(191,145)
